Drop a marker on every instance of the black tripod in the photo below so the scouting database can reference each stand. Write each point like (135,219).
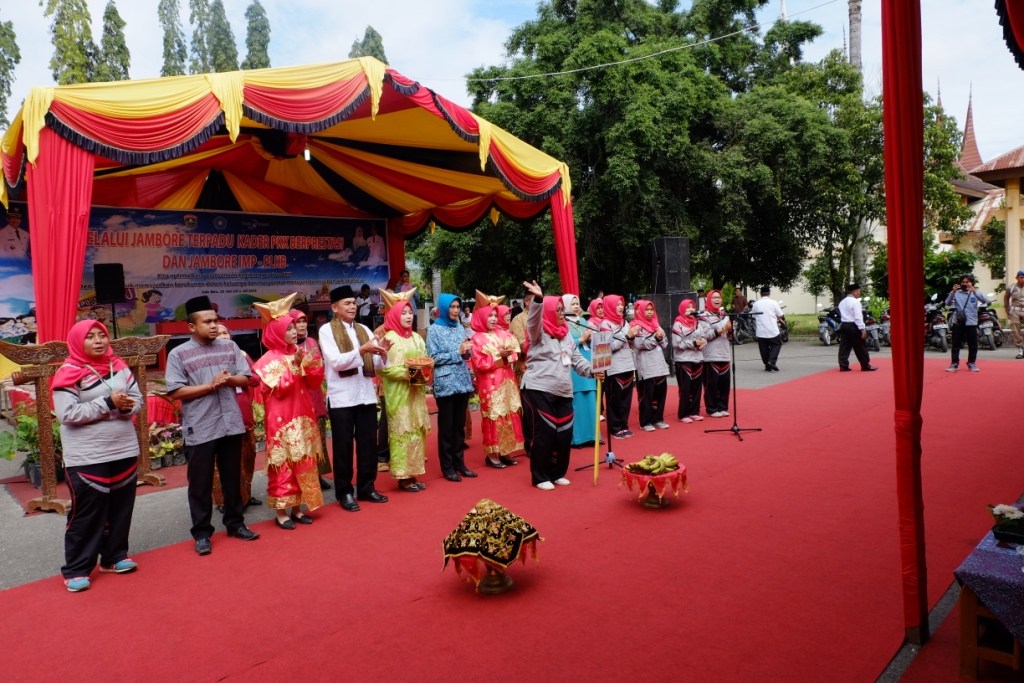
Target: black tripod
(735,429)
(609,456)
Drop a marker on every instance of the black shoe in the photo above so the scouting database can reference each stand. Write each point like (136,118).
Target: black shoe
(467,473)
(842,369)
(870,368)
(505,460)
(324,484)
(767,368)
(408,485)
(303,519)
(453,477)
(203,546)
(286,524)
(253,502)
(349,503)
(775,368)
(374,497)
(496,465)
(244,533)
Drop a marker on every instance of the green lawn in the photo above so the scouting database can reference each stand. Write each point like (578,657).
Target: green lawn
(802,324)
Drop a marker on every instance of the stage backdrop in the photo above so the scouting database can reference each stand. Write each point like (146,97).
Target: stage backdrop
(169,257)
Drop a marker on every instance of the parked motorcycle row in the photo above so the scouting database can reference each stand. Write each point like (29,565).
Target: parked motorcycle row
(938,334)
(744,328)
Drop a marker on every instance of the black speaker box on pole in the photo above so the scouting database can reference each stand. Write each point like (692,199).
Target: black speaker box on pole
(109,280)
(670,265)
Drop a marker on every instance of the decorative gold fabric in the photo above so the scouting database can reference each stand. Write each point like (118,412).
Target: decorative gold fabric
(273,310)
(297,439)
(503,401)
(492,536)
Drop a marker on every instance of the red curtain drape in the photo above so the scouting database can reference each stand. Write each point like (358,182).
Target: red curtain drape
(904,190)
(59,195)
(565,241)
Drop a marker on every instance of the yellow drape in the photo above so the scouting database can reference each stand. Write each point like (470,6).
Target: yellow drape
(227,88)
(186,196)
(251,200)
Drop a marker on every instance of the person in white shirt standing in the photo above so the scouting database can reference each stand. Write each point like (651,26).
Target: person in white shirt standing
(767,314)
(852,332)
(351,354)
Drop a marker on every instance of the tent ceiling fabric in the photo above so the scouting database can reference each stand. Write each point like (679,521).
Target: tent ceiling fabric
(1011,17)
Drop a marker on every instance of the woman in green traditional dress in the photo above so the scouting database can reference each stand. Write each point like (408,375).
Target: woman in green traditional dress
(408,422)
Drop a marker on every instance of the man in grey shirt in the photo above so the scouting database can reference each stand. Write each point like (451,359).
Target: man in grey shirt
(202,373)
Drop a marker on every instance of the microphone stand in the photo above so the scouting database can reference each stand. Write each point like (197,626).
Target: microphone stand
(735,429)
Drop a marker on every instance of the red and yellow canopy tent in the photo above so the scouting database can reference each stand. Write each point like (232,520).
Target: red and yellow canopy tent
(379,145)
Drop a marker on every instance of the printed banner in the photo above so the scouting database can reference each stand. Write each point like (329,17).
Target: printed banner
(236,259)
(601,356)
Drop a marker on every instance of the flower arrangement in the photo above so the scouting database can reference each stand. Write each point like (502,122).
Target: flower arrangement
(165,440)
(1007,516)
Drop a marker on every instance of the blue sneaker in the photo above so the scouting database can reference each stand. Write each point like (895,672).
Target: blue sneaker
(972,367)
(77,584)
(123,567)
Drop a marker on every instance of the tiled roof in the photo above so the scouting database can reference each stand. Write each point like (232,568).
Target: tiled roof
(1009,165)
(970,157)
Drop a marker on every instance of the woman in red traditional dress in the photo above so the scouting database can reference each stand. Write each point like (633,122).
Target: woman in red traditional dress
(494,353)
(293,444)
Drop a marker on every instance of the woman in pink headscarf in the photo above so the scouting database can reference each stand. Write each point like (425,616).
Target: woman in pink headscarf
(651,368)
(717,358)
(494,353)
(688,341)
(95,397)
(622,372)
(286,374)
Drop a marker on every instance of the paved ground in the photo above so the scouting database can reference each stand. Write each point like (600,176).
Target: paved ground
(31,546)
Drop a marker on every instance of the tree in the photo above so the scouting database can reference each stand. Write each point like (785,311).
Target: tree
(257,37)
(10,57)
(372,45)
(199,18)
(174,39)
(221,42)
(656,147)
(74,52)
(992,249)
(114,57)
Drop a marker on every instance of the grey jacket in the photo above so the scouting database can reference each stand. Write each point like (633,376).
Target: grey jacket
(718,341)
(545,370)
(684,344)
(92,430)
(967,304)
(649,356)
(622,347)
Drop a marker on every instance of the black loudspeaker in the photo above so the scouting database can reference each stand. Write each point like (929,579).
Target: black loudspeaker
(670,265)
(109,281)
(667,306)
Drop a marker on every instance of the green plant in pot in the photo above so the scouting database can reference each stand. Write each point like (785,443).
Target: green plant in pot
(25,439)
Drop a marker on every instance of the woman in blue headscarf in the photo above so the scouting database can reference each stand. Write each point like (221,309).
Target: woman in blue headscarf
(448,346)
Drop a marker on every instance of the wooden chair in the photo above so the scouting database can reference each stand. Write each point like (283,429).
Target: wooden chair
(978,626)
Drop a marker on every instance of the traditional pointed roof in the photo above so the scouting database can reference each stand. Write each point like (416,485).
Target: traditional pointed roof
(970,157)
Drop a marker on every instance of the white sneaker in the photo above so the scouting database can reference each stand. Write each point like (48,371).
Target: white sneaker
(718,414)
(562,481)
(648,428)
(686,420)
(661,425)
(546,486)
(696,418)
(724,413)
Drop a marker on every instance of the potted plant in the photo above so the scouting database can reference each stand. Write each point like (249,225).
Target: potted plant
(165,444)
(25,439)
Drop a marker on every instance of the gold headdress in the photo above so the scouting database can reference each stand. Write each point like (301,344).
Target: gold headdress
(276,309)
(487,300)
(391,298)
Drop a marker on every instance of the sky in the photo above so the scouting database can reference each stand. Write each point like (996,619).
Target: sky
(437,42)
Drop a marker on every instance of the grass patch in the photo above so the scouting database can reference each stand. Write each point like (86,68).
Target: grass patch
(802,324)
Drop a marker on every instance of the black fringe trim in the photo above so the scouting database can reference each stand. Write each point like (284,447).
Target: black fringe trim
(466,228)
(19,181)
(401,89)
(525,196)
(312,126)
(124,156)
(1008,35)
(459,130)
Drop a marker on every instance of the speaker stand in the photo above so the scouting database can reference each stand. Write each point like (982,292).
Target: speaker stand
(113,319)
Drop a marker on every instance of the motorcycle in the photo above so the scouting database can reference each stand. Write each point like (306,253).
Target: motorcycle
(935,327)
(872,328)
(990,332)
(828,325)
(783,327)
(743,327)
(884,328)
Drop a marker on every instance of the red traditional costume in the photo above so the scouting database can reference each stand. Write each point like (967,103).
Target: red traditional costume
(496,385)
(293,442)
(317,394)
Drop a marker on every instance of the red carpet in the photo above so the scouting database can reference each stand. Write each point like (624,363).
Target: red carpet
(781,564)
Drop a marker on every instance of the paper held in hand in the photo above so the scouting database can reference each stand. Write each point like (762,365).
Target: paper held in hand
(601,358)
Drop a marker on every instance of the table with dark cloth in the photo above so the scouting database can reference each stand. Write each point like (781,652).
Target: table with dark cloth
(993,571)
